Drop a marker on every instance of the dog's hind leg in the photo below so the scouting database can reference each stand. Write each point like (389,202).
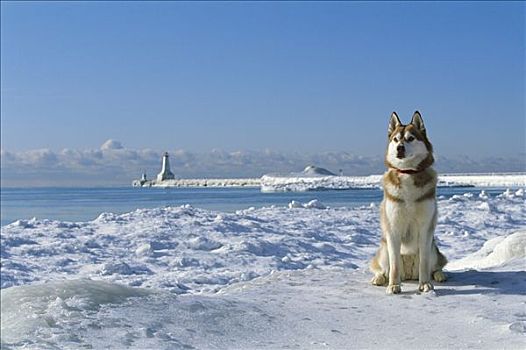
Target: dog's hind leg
(439,276)
(380,265)
(441,261)
(427,255)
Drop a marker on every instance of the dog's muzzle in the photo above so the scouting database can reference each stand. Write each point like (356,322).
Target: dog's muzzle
(400,152)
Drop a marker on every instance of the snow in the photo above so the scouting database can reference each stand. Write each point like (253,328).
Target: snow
(295,276)
(309,182)
(502,250)
(317,171)
(314,178)
(312,204)
(488,180)
(56,304)
(301,183)
(246,182)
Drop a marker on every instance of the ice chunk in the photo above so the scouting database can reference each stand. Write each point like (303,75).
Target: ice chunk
(26,309)
(203,243)
(313,204)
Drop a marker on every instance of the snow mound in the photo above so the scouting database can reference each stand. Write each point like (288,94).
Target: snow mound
(311,178)
(497,252)
(314,170)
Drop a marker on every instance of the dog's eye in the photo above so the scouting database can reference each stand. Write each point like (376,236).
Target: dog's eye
(395,139)
(410,139)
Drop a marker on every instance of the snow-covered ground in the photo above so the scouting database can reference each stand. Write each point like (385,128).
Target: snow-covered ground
(310,182)
(278,277)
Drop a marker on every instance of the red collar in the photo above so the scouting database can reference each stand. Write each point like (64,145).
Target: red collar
(408,171)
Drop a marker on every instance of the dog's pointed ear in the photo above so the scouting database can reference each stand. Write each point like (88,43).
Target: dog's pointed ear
(418,122)
(393,123)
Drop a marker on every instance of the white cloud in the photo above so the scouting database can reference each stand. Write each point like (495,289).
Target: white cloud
(111,144)
(113,164)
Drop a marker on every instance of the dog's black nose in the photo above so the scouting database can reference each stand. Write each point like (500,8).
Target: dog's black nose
(400,148)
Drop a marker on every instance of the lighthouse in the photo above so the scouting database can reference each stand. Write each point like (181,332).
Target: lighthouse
(165,173)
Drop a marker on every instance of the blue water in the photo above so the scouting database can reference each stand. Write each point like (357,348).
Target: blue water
(84,204)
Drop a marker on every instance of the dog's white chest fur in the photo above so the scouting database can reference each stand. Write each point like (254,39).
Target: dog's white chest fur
(409,217)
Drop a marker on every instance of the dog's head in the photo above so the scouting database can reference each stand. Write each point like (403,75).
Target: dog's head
(409,147)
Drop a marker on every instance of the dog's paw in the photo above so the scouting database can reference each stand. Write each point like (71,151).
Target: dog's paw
(425,287)
(379,280)
(393,289)
(439,276)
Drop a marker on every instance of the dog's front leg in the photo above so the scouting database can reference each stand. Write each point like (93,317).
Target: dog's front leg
(393,248)
(425,242)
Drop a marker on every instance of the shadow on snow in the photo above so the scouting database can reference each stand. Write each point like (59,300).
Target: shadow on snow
(484,282)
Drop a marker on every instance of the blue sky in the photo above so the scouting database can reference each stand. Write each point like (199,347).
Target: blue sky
(281,76)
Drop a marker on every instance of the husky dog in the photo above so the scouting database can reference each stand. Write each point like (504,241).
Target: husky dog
(408,211)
